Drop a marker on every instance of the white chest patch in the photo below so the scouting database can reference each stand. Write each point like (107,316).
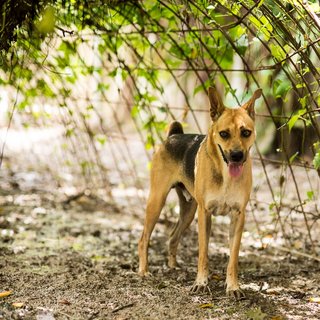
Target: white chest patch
(222,208)
(226,201)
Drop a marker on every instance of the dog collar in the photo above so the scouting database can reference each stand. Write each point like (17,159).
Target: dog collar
(223,155)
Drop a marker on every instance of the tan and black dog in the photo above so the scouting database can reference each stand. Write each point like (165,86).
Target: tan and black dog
(211,172)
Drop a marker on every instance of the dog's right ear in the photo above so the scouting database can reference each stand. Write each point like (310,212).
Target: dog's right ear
(216,104)
(249,106)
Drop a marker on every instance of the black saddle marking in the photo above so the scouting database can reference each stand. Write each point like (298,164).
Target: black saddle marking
(184,148)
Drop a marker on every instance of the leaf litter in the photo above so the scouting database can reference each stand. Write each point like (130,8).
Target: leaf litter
(78,259)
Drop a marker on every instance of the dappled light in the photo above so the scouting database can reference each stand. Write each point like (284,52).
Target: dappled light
(88,90)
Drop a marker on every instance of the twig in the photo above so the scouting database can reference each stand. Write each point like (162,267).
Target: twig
(74,197)
(297,253)
(281,162)
(123,307)
(65,31)
(65,314)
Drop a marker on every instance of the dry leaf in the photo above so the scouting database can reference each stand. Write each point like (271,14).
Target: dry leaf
(274,291)
(216,277)
(315,299)
(5,294)
(298,244)
(18,304)
(206,305)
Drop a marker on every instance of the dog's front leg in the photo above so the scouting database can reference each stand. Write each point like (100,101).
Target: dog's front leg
(204,227)
(236,228)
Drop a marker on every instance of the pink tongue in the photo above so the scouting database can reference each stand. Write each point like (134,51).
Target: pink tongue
(235,169)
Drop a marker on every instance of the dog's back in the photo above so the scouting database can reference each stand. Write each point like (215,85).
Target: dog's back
(183,148)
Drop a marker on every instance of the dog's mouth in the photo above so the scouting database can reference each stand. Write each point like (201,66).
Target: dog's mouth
(235,169)
(234,161)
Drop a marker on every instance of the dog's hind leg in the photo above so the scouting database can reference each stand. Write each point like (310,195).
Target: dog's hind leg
(160,187)
(187,211)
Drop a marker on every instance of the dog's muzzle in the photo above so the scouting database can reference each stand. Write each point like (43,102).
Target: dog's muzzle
(236,156)
(234,160)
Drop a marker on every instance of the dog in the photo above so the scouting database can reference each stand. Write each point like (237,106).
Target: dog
(210,172)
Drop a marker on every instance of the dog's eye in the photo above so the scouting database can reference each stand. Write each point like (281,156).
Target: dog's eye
(224,134)
(246,133)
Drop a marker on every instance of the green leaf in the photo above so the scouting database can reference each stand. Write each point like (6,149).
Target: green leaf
(281,87)
(303,101)
(202,87)
(135,111)
(47,23)
(279,52)
(316,160)
(101,87)
(263,25)
(293,121)
(293,157)
(150,142)
(69,132)
(295,118)
(197,89)
(102,139)
(84,165)
(310,195)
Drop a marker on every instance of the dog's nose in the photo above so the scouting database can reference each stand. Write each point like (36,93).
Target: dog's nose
(236,156)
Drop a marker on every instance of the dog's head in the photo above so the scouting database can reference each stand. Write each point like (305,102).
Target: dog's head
(233,130)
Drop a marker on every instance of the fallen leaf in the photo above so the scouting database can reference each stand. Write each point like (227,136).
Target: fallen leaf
(315,299)
(298,244)
(216,277)
(277,318)
(206,305)
(5,294)
(274,291)
(163,285)
(18,304)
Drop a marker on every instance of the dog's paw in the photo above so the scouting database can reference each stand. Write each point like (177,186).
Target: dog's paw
(172,263)
(200,288)
(144,274)
(236,294)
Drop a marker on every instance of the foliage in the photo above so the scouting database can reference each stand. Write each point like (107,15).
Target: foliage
(15,14)
(149,41)
(139,48)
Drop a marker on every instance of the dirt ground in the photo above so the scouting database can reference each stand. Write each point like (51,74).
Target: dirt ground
(76,258)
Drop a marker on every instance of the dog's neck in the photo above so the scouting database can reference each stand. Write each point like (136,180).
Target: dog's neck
(213,151)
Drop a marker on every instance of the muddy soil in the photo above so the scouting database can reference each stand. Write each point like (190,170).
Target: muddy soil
(76,258)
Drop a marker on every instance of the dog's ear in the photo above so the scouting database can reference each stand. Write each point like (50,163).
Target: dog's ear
(216,104)
(249,106)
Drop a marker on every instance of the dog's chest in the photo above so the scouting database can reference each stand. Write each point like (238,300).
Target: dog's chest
(217,208)
(230,199)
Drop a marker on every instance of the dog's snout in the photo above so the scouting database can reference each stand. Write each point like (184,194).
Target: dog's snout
(236,156)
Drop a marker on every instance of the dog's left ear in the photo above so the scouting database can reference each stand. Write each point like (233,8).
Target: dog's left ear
(216,104)
(249,106)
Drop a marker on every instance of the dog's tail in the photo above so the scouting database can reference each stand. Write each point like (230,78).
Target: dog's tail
(175,128)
